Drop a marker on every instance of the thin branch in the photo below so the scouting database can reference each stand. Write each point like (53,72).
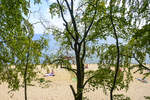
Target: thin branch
(72,5)
(88,80)
(36,23)
(66,23)
(85,26)
(56,61)
(81,6)
(89,27)
(44,25)
(70,44)
(73,91)
(141,63)
(84,50)
(70,69)
(73,19)
(146,68)
(25,76)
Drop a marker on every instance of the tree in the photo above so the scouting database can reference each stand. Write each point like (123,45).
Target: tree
(29,53)
(74,37)
(20,54)
(11,32)
(124,22)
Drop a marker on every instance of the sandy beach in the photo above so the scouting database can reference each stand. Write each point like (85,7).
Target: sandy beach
(59,88)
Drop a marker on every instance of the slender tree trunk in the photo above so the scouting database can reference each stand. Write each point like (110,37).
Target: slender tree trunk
(25,85)
(118,53)
(25,77)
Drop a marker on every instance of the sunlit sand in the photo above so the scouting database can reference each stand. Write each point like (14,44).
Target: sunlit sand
(59,88)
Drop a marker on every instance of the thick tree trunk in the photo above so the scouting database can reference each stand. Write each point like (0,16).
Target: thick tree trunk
(80,74)
(80,80)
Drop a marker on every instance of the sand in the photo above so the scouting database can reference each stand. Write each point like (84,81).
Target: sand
(59,89)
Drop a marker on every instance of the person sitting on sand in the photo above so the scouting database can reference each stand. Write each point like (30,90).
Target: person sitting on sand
(142,80)
(86,66)
(50,74)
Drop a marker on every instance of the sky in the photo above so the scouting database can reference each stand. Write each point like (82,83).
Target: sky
(40,12)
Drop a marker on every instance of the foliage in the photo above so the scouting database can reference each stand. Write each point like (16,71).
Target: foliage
(147,97)
(103,78)
(17,44)
(126,14)
(121,97)
(139,46)
(87,25)
(125,28)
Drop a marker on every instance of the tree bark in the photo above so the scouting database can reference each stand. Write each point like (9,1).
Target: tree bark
(80,71)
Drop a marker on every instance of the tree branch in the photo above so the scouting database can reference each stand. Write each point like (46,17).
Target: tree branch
(84,50)
(142,64)
(89,27)
(70,69)
(72,5)
(73,19)
(66,23)
(88,80)
(73,91)
(70,43)
(146,68)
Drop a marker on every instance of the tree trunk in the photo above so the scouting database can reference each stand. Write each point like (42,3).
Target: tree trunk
(80,79)
(79,87)
(80,74)
(25,77)
(118,53)
(25,84)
